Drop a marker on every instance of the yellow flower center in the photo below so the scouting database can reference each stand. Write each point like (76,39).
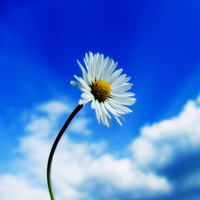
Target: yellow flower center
(101,90)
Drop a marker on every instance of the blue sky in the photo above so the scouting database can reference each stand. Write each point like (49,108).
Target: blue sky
(155,154)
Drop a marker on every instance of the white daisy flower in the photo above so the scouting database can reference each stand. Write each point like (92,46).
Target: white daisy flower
(105,88)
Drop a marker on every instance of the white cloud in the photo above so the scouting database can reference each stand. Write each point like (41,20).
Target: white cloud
(54,109)
(48,115)
(18,187)
(172,144)
(40,126)
(179,127)
(79,126)
(166,140)
(83,171)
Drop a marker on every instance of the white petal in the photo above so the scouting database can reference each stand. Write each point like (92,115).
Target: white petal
(114,76)
(90,65)
(123,108)
(107,66)
(86,63)
(119,107)
(84,72)
(105,110)
(82,87)
(88,74)
(118,120)
(122,98)
(104,69)
(126,102)
(85,96)
(125,94)
(97,110)
(83,101)
(109,122)
(111,69)
(99,67)
(76,77)
(105,116)
(122,88)
(122,117)
(76,84)
(93,69)
(117,110)
(111,109)
(93,104)
(119,80)
(84,84)
(86,60)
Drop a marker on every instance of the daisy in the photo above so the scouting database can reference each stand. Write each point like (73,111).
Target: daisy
(104,87)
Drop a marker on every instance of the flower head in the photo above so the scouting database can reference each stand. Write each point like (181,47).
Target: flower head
(104,87)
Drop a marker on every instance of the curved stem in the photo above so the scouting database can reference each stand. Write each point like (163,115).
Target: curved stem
(54,148)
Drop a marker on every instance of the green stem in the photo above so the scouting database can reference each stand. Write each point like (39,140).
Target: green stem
(54,148)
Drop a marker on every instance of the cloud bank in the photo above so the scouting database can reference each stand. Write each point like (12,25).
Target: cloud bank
(162,162)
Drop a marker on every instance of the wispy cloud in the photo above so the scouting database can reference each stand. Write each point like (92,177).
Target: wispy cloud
(20,187)
(79,126)
(84,171)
